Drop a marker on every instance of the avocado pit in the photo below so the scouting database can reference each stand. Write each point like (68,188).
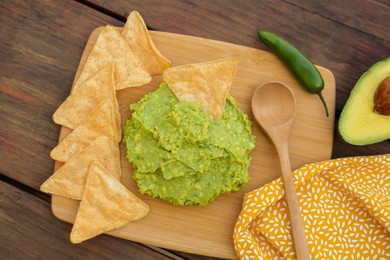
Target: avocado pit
(382,98)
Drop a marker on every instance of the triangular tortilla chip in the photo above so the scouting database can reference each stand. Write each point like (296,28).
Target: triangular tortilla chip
(110,46)
(106,205)
(99,122)
(137,36)
(69,180)
(205,83)
(82,101)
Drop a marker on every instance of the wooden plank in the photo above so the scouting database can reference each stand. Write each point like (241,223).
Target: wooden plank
(343,149)
(28,230)
(41,44)
(310,140)
(371,17)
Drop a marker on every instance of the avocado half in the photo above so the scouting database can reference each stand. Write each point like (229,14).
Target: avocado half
(359,124)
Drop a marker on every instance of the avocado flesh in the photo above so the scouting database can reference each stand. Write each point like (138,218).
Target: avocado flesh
(359,124)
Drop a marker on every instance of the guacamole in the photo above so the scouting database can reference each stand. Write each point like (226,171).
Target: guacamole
(183,156)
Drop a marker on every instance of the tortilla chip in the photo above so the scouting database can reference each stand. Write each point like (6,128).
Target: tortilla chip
(69,180)
(106,205)
(204,83)
(81,102)
(99,122)
(137,36)
(110,46)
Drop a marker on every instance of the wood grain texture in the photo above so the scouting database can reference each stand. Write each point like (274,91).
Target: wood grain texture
(41,44)
(343,45)
(188,228)
(367,16)
(28,230)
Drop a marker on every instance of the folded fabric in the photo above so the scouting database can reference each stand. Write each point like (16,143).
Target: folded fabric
(345,207)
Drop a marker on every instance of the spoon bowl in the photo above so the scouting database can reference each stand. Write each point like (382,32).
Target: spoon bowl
(273,105)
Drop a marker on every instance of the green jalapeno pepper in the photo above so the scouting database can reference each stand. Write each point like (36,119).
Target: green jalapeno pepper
(303,69)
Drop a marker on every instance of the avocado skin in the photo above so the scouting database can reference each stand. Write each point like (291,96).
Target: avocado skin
(359,124)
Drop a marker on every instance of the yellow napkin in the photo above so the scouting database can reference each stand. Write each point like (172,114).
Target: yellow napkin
(345,206)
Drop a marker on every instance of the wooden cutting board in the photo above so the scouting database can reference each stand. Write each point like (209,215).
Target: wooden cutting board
(208,230)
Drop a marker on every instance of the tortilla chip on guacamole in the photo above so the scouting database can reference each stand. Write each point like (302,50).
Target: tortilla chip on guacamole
(83,100)
(137,36)
(69,180)
(205,83)
(106,204)
(110,46)
(99,122)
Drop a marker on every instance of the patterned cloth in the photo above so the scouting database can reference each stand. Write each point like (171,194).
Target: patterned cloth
(345,206)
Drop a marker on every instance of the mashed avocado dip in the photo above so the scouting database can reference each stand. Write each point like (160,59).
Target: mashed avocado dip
(183,156)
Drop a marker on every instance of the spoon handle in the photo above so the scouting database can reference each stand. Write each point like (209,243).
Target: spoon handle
(298,229)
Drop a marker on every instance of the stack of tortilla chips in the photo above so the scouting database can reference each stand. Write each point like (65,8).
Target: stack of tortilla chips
(92,169)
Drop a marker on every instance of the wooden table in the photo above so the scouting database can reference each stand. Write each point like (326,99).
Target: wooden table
(41,44)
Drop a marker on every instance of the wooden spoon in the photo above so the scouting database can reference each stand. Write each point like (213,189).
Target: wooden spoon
(273,105)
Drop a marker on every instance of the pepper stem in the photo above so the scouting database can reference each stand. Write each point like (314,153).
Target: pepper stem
(324,103)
